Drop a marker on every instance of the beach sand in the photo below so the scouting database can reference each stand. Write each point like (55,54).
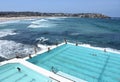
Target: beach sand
(3,19)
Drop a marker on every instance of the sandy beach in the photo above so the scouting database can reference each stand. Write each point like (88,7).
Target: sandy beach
(3,19)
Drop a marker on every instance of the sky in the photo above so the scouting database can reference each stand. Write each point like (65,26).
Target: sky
(106,7)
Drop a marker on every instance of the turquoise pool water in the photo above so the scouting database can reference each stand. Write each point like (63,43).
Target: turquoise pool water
(9,73)
(84,63)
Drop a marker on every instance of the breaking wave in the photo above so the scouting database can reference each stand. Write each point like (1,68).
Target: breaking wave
(42,39)
(56,18)
(7,32)
(39,21)
(9,49)
(30,19)
(41,24)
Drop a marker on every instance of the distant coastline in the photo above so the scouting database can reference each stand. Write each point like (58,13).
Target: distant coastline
(3,19)
(30,15)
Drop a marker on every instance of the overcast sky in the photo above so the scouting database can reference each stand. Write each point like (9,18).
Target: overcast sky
(107,7)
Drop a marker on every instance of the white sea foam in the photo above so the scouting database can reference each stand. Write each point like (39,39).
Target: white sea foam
(7,32)
(41,24)
(43,20)
(42,46)
(9,49)
(39,21)
(56,18)
(42,39)
(30,19)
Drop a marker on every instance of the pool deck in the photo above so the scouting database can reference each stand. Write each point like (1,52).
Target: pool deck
(44,71)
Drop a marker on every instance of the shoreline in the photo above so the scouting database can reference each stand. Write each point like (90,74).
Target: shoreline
(4,19)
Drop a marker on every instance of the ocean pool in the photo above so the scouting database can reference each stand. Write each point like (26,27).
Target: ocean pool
(10,73)
(85,63)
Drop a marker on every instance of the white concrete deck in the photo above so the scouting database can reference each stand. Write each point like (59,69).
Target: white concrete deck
(70,77)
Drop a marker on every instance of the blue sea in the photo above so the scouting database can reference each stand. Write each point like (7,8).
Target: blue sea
(19,37)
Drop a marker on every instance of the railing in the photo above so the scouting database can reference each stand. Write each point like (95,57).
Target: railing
(54,79)
(65,77)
